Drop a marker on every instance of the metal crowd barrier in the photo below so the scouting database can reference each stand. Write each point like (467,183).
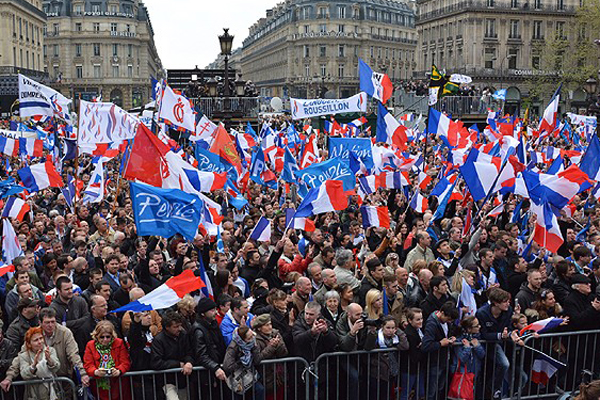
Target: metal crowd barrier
(64,388)
(377,374)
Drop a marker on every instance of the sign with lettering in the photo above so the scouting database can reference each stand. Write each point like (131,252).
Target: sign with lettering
(307,108)
(334,169)
(362,148)
(165,212)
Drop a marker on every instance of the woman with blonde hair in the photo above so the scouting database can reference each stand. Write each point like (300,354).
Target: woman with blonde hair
(106,359)
(374,304)
(457,281)
(38,361)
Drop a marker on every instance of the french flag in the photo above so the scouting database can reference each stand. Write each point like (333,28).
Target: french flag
(544,368)
(375,216)
(557,189)
(204,181)
(292,222)
(40,176)
(15,208)
(542,326)
(479,177)
(9,147)
(590,162)
(31,147)
(419,203)
(166,295)
(389,130)
(262,230)
(444,127)
(549,120)
(424,180)
(547,231)
(330,196)
(377,85)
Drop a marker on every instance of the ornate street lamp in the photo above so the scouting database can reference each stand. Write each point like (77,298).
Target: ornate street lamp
(226,41)
(590,86)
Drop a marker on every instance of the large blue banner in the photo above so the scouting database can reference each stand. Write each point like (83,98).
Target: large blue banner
(334,169)
(362,148)
(165,212)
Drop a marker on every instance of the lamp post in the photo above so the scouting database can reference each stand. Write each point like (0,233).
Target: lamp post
(226,41)
(590,86)
(502,68)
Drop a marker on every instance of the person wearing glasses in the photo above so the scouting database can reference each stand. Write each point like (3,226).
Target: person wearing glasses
(106,359)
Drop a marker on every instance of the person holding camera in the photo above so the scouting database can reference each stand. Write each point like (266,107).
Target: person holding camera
(313,335)
(384,366)
(437,339)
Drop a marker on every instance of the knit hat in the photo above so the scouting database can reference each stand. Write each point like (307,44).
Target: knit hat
(205,304)
(261,320)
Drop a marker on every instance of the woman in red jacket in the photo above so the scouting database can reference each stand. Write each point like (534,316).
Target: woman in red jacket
(106,359)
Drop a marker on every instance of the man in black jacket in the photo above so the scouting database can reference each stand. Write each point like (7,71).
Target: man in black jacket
(170,349)
(207,342)
(581,305)
(313,335)
(438,295)
(437,338)
(372,280)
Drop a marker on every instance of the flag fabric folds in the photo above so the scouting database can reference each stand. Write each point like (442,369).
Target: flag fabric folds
(375,84)
(330,196)
(262,230)
(375,216)
(15,208)
(167,294)
(40,176)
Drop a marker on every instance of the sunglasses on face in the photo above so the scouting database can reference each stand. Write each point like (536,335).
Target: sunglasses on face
(105,337)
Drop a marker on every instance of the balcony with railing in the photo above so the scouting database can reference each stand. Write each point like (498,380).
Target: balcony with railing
(228,107)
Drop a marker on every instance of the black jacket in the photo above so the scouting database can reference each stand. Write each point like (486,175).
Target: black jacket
(561,290)
(207,343)
(281,322)
(167,353)
(8,351)
(309,346)
(138,340)
(432,303)
(432,335)
(525,296)
(83,334)
(515,280)
(412,363)
(367,284)
(580,311)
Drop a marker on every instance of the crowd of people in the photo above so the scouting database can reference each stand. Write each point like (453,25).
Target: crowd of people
(421,88)
(442,296)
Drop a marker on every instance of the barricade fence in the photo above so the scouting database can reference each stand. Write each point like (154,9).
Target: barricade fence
(504,370)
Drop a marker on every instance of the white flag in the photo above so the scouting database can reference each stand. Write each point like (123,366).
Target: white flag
(37,99)
(177,109)
(205,129)
(105,123)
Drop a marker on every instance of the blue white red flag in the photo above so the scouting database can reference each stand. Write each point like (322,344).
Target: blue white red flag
(11,247)
(330,196)
(419,202)
(542,326)
(166,295)
(15,207)
(40,176)
(375,216)
(262,230)
(549,119)
(547,231)
(376,85)
(544,368)
(590,162)
(389,130)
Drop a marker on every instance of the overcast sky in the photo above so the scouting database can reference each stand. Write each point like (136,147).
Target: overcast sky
(186,31)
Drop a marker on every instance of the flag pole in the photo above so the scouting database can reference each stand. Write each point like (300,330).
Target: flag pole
(76,172)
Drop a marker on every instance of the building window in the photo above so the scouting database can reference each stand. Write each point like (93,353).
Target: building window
(96,71)
(355,13)
(114,8)
(322,12)
(560,4)
(77,9)
(79,71)
(490,56)
(322,51)
(535,61)
(537,30)
(306,28)
(341,70)
(323,28)
(56,50)
(490,3)
(514,29)
(342,11)
(371,52)
(379,52)
(514,3)
(128,28)
(512,58)
(95,8)
(323,69)
(306,51)
(490,28)
(78,50)
(78,27)
(341,28)
(45,51)
(341,51)
(129,50)
(537,4)
(96,27)
(305,13)
(115,69)
(97,49)
(55,29)
(130,71)
(560,30)
(115,49)
(113,27)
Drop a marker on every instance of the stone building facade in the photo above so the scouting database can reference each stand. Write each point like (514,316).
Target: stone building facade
(101,47)
(311,48)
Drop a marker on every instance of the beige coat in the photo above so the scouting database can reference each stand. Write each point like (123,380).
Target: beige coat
(40,391)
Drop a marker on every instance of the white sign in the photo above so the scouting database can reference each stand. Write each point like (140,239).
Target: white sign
(307,108)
